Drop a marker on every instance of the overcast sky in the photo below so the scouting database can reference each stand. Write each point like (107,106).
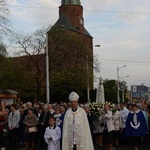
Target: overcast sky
(121,27)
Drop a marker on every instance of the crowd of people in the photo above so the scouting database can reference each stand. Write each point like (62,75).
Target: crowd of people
(64,126)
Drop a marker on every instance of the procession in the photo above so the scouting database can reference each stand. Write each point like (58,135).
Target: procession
(74,75)
(73,126)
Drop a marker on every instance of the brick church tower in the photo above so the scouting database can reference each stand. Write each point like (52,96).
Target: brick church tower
(71,19)
(74,12)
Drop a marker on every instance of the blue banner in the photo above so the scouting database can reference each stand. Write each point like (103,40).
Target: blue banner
(139,92)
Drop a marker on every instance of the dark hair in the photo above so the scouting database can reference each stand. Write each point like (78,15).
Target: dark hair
(30,109)
(123,103)
(14,106)
(40,108)
(51,117)
(56,108)
(22,107)
(134,105)
(128,106)
(63,107)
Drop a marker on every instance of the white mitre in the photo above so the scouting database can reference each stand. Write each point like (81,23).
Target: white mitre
(73,96)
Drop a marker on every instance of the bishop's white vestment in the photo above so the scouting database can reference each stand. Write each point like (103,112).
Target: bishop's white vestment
(76,131)
(55,133)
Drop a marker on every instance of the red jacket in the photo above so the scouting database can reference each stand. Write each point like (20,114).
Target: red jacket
(2,119)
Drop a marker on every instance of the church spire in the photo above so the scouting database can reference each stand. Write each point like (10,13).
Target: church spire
(70,2)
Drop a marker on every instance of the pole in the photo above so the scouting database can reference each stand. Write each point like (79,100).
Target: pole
(47,72)
(88,88)
(122,94)
(123,90)
(118,99)
(118,68)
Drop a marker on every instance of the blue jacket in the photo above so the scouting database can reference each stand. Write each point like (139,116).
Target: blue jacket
(131,130)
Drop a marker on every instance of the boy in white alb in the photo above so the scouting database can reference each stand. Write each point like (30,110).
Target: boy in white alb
(52,135)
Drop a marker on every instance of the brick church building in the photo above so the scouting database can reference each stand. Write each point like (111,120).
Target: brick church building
(71,19)
(70,48)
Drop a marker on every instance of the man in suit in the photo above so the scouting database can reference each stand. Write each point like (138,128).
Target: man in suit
(42,126)
(90,117)
(13,124)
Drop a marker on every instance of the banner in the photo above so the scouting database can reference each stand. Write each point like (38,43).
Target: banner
(139,92)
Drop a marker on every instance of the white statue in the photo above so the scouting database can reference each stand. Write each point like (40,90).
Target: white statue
(100,96)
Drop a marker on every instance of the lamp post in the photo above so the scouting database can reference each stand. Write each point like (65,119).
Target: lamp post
(47,72)
(88,84)
(97,45)
(123,87)
(118,97)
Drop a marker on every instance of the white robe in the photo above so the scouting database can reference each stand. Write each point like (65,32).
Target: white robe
(76,131)
(55,133)
(124,114)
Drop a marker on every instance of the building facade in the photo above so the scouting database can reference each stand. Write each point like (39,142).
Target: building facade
(71,19)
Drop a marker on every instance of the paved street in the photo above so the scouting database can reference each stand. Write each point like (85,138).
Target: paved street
(129,147)
(122,147)
(126,147)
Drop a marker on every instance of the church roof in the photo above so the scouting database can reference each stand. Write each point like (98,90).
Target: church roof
(65,23)
(70,2)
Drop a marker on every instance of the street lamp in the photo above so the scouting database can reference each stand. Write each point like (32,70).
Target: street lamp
(97,45)
(118,68)
(47,72)
(88,84)
(123,86)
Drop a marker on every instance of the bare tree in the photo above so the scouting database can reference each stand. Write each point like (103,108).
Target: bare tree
(4,20)
(32,56)
(3,51)
(67,52)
